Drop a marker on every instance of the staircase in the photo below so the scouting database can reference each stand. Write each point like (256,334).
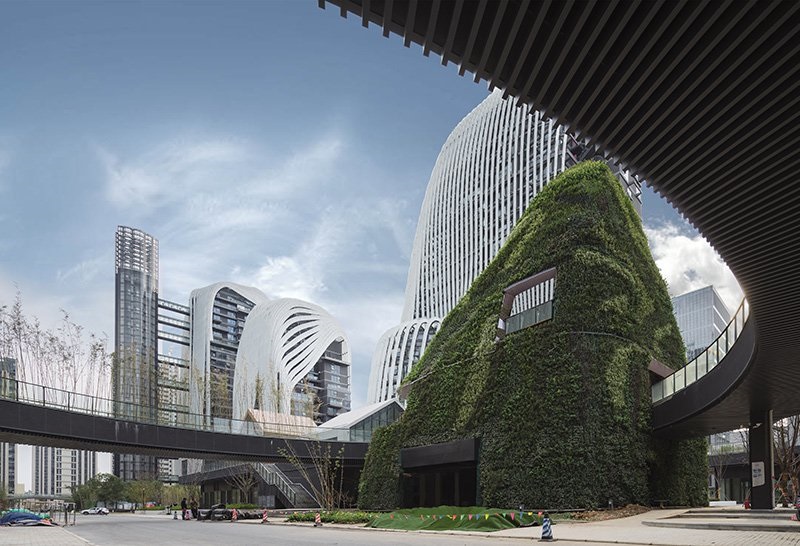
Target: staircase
(295,494)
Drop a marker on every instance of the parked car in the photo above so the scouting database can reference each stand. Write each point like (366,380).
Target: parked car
(96,510)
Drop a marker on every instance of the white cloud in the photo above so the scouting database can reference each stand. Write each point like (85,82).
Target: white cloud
(86,270)
(687,262)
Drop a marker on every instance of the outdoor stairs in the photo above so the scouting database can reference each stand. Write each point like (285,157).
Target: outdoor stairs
(293,494)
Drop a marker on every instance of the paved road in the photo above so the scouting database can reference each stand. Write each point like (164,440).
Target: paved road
(153,529)
(124,530)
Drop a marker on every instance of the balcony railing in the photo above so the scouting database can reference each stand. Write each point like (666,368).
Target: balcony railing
(705,361)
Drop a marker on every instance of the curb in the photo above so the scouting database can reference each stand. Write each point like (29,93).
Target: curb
(724,526)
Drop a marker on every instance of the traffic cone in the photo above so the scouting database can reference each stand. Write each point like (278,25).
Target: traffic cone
(317,520)
(547,531)
(234,515)
(174,514)
(264,517)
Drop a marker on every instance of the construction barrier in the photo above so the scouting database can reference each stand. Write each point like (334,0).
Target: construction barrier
(264,517)
(317,520)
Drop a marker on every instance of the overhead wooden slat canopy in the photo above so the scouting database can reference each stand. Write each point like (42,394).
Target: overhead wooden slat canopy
(699,98)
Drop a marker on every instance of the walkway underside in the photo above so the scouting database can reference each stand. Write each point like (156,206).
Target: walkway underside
(29,424)
(701,99)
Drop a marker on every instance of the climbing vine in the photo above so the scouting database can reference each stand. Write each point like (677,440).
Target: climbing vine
(562,408)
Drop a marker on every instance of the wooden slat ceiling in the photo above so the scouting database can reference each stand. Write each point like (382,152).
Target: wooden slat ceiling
(699,98)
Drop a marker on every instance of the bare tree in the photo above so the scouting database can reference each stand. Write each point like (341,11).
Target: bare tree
(61,359)
(243,479)
(324,472)
(786,433)
(720,457)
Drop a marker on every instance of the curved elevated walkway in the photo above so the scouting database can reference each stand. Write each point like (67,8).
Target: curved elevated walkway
(701,99)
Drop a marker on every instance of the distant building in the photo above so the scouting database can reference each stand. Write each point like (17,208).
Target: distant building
(134,376)
(702,316)
(218,314)
(8,452)
(251,353)
(57,470)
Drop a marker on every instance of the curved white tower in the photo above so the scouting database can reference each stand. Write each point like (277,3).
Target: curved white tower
(493,163)
(283,342)
(490,168)
(398,349)
(218,315)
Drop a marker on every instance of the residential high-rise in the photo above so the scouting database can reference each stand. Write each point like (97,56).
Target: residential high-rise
(8,452)
(56,470)
(250,352)
(134,378)
(496,160)
(702,316)
(218,314)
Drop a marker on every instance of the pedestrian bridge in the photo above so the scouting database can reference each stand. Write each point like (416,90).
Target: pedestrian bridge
(40,415)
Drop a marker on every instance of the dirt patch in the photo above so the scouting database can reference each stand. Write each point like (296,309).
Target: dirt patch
(602,515)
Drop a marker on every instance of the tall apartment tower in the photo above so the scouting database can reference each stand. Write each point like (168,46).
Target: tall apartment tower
(56,470)
(701,316)
(250,352)
(135,372)
(8,452)
(496,160)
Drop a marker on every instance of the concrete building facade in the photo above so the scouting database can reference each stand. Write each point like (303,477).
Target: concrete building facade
(56,470)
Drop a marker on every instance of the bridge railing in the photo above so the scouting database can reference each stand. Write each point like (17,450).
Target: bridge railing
(705,361)
(164,415)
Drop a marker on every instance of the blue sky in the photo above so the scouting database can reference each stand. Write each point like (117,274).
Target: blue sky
(268,143)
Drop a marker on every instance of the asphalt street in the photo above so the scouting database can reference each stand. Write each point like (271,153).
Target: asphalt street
(125,529)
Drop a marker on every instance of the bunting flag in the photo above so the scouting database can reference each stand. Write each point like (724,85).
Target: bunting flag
(470,517)
(487,516)
(462,516)
(391,516)
(422,517)
(530,513)
(512,516)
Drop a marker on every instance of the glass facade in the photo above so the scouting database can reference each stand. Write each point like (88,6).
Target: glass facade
(227,323)
(701,316)
(135,371)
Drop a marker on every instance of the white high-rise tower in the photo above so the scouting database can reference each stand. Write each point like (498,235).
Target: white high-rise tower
(492,165)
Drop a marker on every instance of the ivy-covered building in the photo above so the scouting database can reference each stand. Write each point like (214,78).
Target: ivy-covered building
(557,413)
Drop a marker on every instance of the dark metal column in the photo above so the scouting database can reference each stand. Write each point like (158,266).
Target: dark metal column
(761,464)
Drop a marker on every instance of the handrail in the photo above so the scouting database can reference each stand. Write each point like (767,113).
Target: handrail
(705,361)
(171,416)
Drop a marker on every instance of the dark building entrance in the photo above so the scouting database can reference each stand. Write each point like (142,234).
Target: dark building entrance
(441,474)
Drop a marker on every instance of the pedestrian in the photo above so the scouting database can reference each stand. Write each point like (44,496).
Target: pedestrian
(183,508)
(193,507)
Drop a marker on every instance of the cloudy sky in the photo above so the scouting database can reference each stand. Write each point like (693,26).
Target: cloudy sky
(267,143)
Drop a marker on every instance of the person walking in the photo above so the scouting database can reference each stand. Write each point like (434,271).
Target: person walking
(193,508)
(183,508)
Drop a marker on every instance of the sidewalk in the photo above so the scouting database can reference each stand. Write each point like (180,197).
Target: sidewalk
(632,530)
(39,536)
